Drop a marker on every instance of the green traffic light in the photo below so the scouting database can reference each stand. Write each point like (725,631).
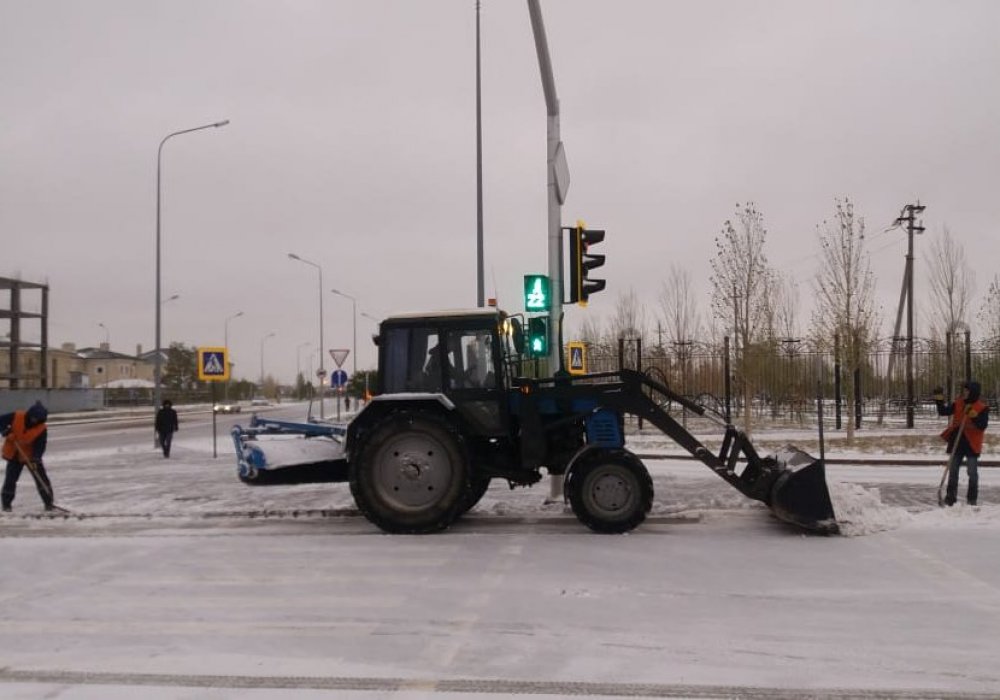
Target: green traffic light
(538,336)
(536,293)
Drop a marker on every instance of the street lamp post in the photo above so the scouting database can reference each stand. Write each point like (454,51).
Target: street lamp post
(322,371)
(157,359)
(269,335)
(225,344)
(354,329)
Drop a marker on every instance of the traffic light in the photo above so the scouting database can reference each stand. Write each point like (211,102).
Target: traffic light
(581,262)
(538,336)
(537,296)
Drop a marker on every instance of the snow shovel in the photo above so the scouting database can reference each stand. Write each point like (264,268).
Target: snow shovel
(33,468)
(951,457)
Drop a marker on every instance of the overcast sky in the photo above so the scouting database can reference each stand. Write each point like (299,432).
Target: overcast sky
(352,144)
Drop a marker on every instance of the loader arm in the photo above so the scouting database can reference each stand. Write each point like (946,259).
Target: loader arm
(799,496)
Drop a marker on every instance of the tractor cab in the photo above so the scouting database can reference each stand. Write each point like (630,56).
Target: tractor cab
(458,355)
(439,353)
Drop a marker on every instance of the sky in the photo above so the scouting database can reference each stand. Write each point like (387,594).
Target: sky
(180,579)
(351,143)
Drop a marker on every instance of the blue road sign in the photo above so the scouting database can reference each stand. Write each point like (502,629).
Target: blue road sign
(338,378)
(213,364)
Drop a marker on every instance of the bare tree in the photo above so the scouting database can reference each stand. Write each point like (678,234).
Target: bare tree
(678,307)
(591,332)
(785,306)
(845,287)
(628,321)
(989,314)
(740,290)
(951,285)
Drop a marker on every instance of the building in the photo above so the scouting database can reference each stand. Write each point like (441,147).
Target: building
(86,368)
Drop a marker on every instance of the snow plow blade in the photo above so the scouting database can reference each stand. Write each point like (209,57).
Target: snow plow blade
(272,452)
(800,495)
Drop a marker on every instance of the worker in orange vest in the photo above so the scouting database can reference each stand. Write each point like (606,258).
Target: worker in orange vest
(970,414)
(24,444)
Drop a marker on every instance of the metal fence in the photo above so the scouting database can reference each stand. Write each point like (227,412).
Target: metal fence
(785,384)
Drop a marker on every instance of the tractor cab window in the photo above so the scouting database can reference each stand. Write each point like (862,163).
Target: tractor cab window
(475,348)
(408,360)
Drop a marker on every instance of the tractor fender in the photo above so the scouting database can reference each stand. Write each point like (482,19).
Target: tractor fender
(384,404)
(577,457)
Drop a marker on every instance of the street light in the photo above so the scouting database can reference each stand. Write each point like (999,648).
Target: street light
(269,335)
(322,371)
(354,306)
(157,359)
(172,297)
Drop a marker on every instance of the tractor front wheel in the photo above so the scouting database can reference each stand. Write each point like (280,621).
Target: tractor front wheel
(411,474)
(610,491)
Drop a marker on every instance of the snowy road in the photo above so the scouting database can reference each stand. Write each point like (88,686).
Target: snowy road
(174,580)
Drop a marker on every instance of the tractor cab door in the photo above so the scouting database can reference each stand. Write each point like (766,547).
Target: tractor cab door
(471,377)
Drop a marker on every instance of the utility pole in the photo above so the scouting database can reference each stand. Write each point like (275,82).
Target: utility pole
(908,217)
(480,284)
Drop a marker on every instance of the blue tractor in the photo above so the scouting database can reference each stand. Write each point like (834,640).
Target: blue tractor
(454,410)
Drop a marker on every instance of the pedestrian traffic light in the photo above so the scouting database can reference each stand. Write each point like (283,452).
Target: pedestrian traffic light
(581,262)
(537,295)
(538,336)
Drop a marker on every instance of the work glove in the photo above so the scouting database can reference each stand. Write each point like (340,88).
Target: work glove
(971,412)
(938,394)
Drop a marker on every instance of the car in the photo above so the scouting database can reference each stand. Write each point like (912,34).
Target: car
(259,401)
(226,407)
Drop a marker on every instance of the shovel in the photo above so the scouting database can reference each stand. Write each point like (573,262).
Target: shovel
(33,468)
(951,457)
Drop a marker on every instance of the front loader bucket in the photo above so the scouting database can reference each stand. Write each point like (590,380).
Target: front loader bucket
(800,495)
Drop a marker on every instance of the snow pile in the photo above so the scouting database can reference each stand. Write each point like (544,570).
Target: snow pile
(860,510)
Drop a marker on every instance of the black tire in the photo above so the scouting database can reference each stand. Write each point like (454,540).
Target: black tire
(411,474)
(610,491)
(477,489)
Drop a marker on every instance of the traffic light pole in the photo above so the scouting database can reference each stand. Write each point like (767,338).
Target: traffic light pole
(557,174)
(557,177)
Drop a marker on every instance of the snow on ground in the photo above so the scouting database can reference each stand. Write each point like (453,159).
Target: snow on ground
(173,579)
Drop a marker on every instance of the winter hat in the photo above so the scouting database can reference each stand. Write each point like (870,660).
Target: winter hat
(37,413)
(974,390)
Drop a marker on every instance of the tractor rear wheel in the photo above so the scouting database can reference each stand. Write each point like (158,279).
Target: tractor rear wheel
(411,474)
(610,491)
(477,489)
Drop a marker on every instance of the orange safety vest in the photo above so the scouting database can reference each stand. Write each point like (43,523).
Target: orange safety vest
(21,435)
(973,434)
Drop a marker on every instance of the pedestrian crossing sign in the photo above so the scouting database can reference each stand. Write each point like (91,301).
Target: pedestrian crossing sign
(213,365)
(577,352)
